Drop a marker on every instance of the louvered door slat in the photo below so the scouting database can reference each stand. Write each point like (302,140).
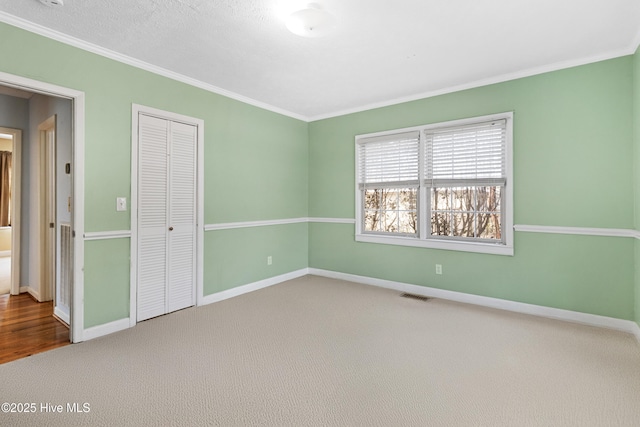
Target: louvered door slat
(181,270)
(152,216)
(151,276)
(182,216)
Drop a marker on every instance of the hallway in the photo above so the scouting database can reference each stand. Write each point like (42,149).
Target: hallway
(28,327)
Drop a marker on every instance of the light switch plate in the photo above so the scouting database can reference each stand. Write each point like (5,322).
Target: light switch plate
(121,204)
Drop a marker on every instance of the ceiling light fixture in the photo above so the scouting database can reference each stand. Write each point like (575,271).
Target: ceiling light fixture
(52,3)
(310,22)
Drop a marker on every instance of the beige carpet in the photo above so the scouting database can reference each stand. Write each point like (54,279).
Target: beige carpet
(315,351)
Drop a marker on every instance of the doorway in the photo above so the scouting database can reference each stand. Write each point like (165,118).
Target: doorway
(28,321)
(166,212)
(39,265)
(10,209)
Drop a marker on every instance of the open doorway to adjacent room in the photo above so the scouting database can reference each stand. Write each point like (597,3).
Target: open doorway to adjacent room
(36,245)
(7,137)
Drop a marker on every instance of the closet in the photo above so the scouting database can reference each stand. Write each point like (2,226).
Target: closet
(166,216)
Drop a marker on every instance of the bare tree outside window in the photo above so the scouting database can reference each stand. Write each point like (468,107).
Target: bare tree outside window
(466,212)
(391,210)
(443,185)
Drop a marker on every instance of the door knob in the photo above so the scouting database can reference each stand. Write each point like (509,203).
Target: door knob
(170,228)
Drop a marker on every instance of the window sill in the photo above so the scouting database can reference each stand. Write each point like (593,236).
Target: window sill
(484,248)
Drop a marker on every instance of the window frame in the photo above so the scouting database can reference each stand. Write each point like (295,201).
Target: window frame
(424,238)
(398,188)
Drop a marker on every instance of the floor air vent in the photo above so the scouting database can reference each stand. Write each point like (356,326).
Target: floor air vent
(414,296)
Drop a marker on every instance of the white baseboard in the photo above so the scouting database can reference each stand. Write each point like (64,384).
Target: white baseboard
(106,329)
(234,292)
(637,332)
(5,253)
(32,291)
(62,315)
(519,307)
(119,325)
(536,310)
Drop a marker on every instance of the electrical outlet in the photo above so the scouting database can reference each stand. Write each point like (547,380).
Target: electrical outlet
(269,260)
(438,268)
(121,204)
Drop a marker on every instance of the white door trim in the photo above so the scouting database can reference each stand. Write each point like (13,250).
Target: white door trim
(77,187)
(16,180)
(46,212)
(136,110)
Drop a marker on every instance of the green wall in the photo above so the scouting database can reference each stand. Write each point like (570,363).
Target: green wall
(241,254)
(636,162)
(572,167)
(255,169)
(575,141)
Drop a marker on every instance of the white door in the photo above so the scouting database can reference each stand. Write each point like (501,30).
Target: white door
(47,196)
(166,250)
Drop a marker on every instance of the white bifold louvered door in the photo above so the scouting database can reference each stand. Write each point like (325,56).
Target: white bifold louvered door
(166,216)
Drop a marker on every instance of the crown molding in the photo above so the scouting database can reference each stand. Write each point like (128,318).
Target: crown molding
(90,47)
(635,43)
(485,82)
(107,53)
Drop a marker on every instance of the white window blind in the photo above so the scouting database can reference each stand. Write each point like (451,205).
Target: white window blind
(389,161)
(441,185)
(471,152)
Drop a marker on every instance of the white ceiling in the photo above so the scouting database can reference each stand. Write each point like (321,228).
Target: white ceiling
(380,52)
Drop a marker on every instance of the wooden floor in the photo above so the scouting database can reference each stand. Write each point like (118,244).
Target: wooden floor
(28,327)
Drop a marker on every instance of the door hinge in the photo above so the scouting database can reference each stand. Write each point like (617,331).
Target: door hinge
(51,225)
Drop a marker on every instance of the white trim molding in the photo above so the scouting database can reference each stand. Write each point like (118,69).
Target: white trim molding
(104,235)
(585,231)
(77,185)
(627,326)
(548,229)
(4,254)
(90,47)
(333,220)
(635,44)
(106,329)
(35,294)
(246,224)
(136,111)
(518,307)
(484,82)
(637,332)
(250,287)
(120,234)
(62,315)
(122,324)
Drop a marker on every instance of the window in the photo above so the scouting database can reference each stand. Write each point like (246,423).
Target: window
(446,185)
(389,182)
